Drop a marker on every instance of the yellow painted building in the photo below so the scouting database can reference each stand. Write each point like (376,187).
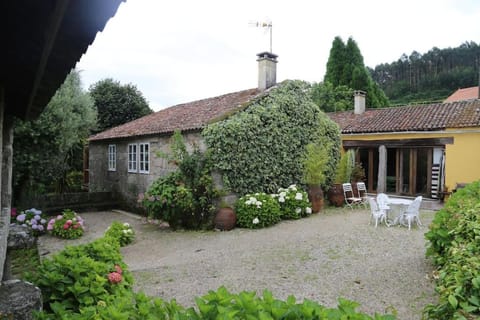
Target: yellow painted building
(414,150)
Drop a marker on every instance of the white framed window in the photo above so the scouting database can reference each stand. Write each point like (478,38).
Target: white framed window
(132,158)
(144,157)
(112,157)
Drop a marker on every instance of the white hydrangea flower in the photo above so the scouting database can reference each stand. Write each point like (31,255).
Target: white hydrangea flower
(281,199)
(255,221)
(283,194)
(293,187)
(126,225)
(251,200)
(298,210)
(308,210)
(124,231)
(298,196)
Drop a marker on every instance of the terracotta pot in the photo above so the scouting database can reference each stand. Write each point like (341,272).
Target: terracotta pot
(315,195)
(225,219)
(335,195)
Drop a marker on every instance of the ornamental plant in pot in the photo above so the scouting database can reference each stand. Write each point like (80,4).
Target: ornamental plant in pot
(343,175)
(314,165)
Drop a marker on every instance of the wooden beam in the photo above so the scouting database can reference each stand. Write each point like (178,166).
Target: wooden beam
(370,170)
(422,142)
(50,37)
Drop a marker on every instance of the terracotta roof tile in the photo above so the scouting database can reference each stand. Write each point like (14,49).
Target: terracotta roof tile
(188,116)
(464,94)
(430,117)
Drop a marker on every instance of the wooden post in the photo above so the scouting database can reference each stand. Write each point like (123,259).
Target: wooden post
(382,169)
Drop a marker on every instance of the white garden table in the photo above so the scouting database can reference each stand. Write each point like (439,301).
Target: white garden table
(397,208)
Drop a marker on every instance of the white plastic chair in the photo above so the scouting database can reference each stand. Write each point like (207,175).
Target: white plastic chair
(362,193)
(350,198)
(383,200)
(377,214)
(412,214)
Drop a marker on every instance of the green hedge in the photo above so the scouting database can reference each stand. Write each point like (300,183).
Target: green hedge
(261,148)
(454,246)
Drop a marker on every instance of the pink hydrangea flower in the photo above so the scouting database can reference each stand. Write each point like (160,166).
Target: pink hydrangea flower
(114,277)
(118,269)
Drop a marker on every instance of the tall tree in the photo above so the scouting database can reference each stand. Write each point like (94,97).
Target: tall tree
(336,62)
(48,149)
(332,99)
(345,67)
(117,104)
(429,76)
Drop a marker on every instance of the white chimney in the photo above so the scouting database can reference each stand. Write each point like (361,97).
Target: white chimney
(267,70)
(359,101)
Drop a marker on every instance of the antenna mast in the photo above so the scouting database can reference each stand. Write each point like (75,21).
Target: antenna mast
(268,25)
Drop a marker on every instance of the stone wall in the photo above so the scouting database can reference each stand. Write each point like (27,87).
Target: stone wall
(80,201)
(129,185)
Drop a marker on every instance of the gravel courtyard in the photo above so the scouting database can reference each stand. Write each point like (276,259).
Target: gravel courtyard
(332,254)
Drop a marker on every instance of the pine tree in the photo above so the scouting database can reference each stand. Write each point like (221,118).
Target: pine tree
(336,62)
(345,67)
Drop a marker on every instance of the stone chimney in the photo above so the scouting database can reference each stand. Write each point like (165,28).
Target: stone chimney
(267,70)
(359,101)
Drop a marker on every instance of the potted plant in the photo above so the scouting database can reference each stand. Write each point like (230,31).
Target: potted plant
(314,165)
(343,175)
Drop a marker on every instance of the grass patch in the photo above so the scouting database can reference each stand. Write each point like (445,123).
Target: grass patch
(22,261)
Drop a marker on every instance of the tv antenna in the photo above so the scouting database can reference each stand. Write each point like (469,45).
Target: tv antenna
(267,25)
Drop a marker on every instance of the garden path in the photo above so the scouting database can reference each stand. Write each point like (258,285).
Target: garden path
(327,255)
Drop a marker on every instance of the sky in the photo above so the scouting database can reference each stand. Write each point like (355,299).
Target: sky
(184,50)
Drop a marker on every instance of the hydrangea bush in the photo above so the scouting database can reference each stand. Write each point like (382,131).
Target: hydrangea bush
(123,232)
(32,218)
(67,225)
(293,202)
(257,210)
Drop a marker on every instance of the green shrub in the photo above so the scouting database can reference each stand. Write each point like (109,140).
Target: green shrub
(455,248)
(122,232)
(293,202)
(257,210)
(68,225)
(246,305)
(81,276)
(261,147)
(183,198)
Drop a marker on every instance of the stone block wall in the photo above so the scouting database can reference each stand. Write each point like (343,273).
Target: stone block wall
(127,184)
(80,201)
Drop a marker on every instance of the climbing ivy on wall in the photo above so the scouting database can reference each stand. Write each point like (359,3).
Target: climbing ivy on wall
(261,148)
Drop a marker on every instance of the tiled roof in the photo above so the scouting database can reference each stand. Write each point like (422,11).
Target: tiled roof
(463,94)
(188,116)
(459,114)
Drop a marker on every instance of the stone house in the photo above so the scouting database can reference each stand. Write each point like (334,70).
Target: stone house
(41,42)
(415,149)
(125,159)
